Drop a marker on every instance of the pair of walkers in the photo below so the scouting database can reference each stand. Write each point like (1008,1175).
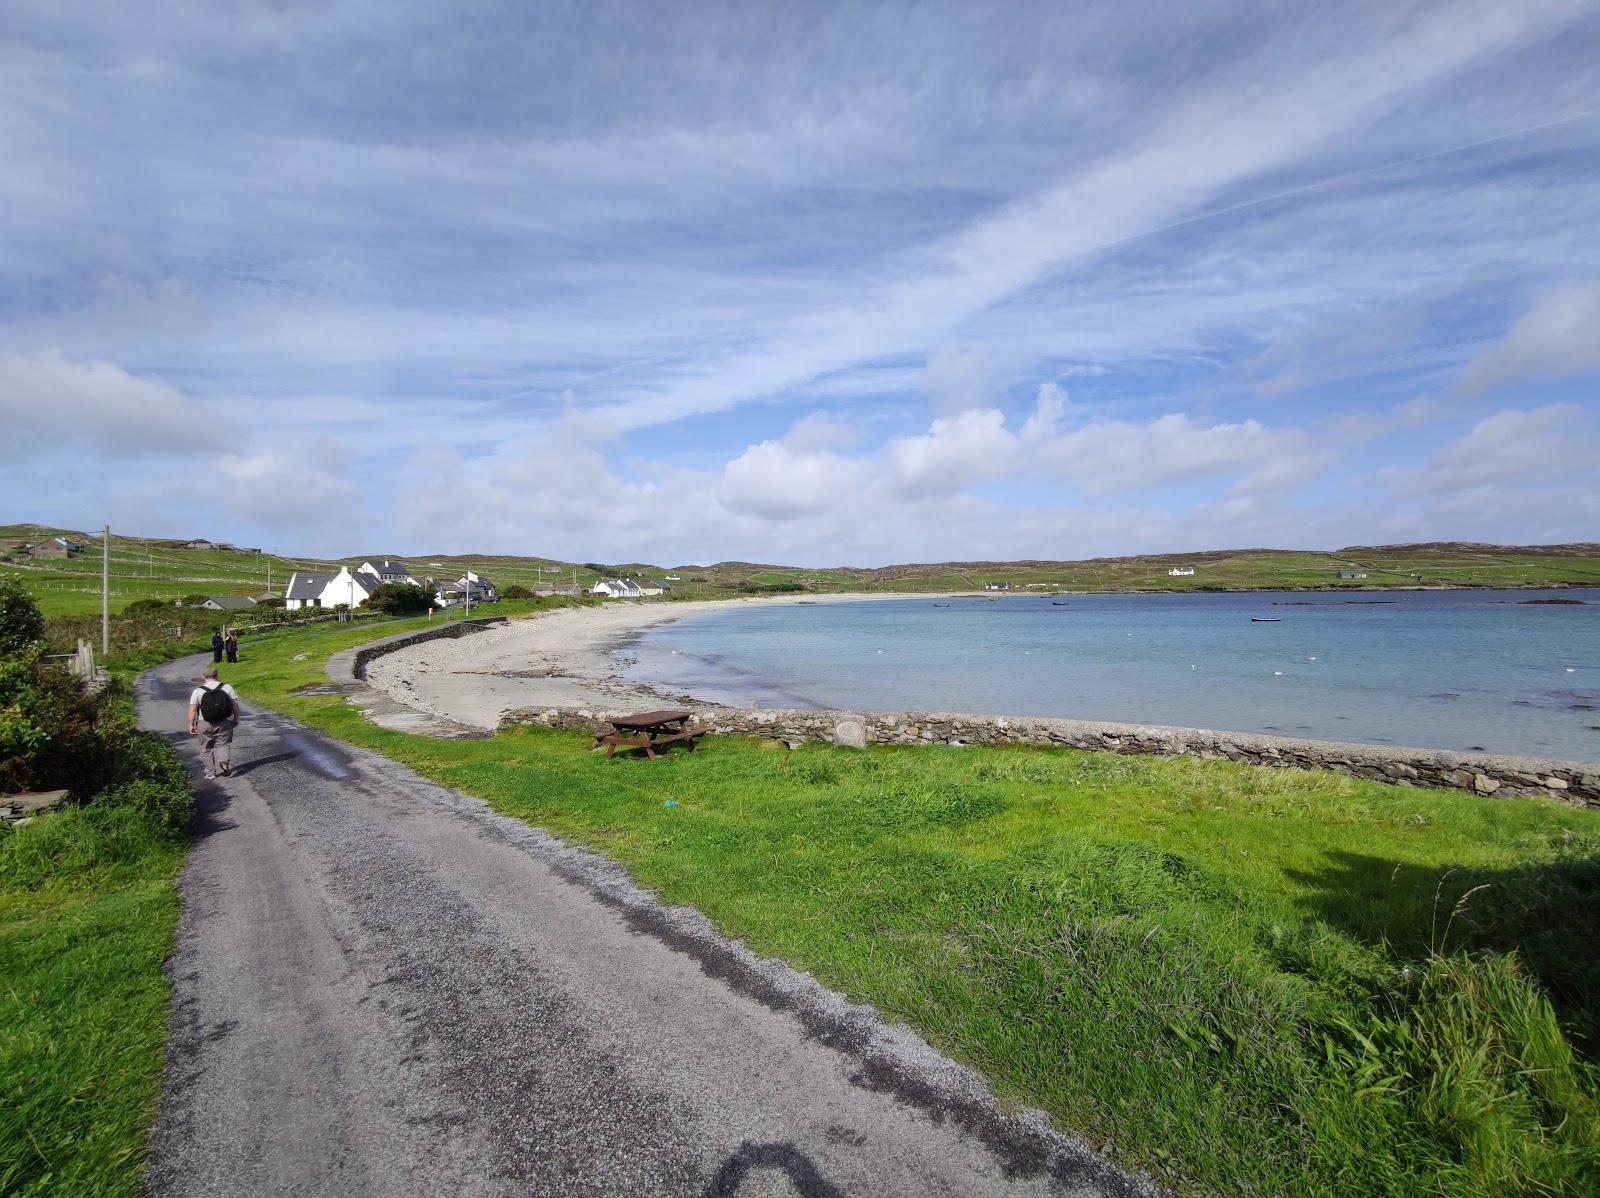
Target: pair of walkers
(224,645)
(215,706)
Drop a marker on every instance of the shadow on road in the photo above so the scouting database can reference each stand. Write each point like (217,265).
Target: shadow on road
(802,1173)
(246,767)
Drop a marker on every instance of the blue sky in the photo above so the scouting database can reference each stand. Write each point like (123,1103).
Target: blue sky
(802,282)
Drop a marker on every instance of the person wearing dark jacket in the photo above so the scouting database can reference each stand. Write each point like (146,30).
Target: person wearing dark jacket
(230,643)
(216,644)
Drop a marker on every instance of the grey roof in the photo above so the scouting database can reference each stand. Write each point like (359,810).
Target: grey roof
(367,579)
(230,602)
(389,566)
(308,584)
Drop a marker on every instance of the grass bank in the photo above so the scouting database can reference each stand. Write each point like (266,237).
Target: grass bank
(87,911)
(1245,981)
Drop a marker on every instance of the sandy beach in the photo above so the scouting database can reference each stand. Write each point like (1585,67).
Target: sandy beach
(565,658)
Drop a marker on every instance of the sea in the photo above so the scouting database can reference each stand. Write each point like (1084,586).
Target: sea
(1497,671)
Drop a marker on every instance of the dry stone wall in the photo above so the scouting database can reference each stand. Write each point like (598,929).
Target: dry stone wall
(450,630)
(1481,773)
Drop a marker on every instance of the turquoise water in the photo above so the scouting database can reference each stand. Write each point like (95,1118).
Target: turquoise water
(1447,670)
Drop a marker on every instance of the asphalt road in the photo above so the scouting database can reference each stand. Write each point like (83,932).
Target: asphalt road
(381,987)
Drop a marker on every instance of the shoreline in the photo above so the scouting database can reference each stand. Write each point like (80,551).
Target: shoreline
(573,658)
(565,658)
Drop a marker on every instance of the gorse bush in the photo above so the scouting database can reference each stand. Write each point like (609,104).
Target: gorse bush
(21,622)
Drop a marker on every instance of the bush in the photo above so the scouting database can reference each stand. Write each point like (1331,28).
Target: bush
(21,621)
(47,729)
(193,600)
(516,591)
(400,599)
(139,605)
(275,601)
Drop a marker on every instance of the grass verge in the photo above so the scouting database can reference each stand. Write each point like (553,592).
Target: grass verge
(87,912)
(1245,981)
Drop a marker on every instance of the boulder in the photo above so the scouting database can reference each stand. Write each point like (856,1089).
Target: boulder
(850,733)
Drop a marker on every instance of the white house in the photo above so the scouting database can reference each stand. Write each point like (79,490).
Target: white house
(320,588)
(387,570)
(1181,572)
(616,588)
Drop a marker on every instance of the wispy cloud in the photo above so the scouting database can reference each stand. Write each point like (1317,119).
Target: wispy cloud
(798,263)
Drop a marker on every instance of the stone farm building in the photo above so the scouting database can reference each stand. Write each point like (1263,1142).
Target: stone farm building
(229,603)
(55,547)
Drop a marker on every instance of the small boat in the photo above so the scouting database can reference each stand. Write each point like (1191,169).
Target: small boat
(1265,620)
(803,602)
(941,605)
(1059,603)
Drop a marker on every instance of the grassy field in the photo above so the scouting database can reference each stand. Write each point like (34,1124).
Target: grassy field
(146,568)
(1245,981)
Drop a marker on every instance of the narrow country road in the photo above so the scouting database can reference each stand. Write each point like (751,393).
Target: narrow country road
(381,987)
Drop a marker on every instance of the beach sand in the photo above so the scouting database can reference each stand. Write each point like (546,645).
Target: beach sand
(565,658)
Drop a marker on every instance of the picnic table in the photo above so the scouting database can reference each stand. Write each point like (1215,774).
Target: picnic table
(648,730)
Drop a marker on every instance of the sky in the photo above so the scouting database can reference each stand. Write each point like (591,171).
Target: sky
(801,282)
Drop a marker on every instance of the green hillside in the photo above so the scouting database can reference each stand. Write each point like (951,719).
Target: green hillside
(143,567)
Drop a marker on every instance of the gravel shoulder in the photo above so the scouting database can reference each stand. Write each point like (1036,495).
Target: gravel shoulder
(383,987)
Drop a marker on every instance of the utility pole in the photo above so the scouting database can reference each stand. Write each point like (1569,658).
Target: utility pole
(105,594)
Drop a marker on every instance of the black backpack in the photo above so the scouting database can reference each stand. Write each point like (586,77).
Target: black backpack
(215,705)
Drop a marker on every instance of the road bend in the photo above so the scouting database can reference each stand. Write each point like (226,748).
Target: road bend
(382,987)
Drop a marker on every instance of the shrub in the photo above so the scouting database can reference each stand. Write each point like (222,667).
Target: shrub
(47,729)
(193,600)
(139,605)
(400,599)
(21,621)
(275,601)
(516,591)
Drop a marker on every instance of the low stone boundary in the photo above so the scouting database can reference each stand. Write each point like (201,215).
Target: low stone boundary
(1481,773)
(451,629)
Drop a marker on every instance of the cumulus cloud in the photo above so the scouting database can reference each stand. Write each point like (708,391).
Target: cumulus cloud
(956,452)
(46,400)
(1558,336)
(1530,449)
(776,480)
(1050,406)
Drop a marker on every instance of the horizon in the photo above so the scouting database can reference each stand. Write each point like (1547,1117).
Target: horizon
(818,287)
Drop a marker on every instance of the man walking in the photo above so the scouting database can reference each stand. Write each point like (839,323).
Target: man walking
(231,644)
(216,644)
(214,703)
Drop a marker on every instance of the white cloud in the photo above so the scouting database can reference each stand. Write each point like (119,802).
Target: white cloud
(1115,455)
(1045,421)
(46,400)
(955,452)
(1558,336)
(1511,450)
(294,492)
(776,480)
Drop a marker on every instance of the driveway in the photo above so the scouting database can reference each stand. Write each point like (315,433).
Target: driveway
(381,987)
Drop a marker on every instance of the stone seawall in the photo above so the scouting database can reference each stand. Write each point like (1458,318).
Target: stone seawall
(451,630)
(1481,773)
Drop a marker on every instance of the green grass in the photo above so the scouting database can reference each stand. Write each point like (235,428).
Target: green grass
(145,568)
(1245,981)
(87,911)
